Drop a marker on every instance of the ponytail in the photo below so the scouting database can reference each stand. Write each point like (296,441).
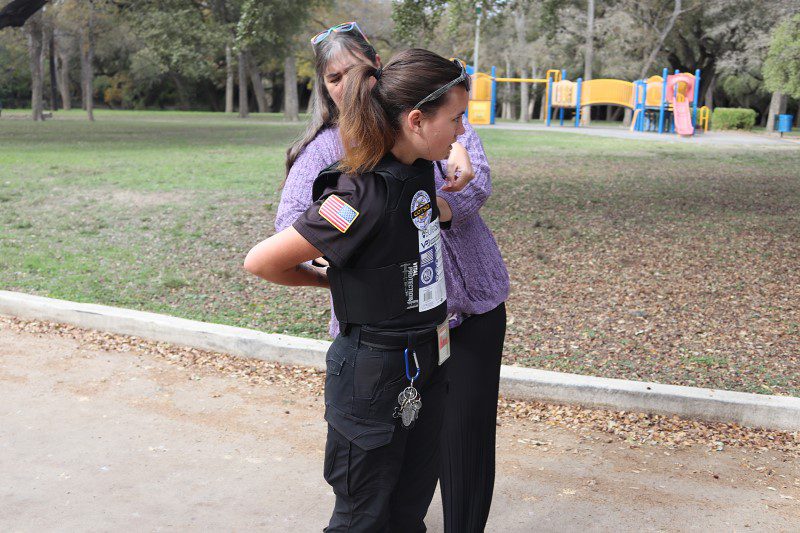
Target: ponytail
(375,99)
(366,130)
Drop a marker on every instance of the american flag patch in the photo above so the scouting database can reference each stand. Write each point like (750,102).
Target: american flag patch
(338,213)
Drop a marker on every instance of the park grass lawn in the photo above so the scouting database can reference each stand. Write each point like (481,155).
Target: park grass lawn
(668,262)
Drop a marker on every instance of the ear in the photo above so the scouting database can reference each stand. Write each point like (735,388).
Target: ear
(414,120)
(378,61)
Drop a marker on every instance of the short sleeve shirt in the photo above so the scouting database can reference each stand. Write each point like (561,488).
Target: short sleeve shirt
(345,217)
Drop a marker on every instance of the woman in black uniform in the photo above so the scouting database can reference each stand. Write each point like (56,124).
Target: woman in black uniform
(375,219)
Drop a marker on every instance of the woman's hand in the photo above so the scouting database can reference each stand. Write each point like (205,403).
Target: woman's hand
(459,169)
(445,213)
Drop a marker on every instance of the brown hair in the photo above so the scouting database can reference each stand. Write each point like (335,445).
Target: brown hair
(369,118)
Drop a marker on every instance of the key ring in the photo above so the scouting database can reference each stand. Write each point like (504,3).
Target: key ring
(408,371)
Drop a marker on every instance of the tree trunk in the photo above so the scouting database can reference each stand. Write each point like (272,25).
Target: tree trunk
(627,118)
(543,106)
(521,29)
(35,33)
(532,102)
(709,99)
(533,90)
(276,92)
(51,38)
(777,106)
(523,98)
(508,104)
(797,117)
(290,102)
(244,108)
(87,60)
(586,112)
(63,72)
(228,79)
(184,103)
(258,83)
(676,10)
(267,81)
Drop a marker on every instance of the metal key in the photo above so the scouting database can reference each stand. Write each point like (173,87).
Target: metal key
(410,405)
(410,412)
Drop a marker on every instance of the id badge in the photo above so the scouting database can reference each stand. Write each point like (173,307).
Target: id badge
(443,330)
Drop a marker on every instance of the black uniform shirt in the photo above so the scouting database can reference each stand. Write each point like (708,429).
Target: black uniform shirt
(344,217)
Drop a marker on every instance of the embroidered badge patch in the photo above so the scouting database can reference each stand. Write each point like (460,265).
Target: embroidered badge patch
(421,210)
(338,213)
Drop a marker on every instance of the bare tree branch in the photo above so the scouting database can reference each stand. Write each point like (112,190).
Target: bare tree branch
(661,38)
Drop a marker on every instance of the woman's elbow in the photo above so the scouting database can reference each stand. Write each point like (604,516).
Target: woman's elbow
(253,265)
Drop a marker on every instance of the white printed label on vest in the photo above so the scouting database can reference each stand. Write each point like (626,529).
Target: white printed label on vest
(432,290)
(410,274)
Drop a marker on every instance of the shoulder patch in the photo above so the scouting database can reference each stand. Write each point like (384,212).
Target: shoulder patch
(338,212)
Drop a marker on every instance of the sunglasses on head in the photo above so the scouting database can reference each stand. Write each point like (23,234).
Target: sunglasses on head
(463,77)
(344,27)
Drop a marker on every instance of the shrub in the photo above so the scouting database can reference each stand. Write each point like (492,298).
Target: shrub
(733,118)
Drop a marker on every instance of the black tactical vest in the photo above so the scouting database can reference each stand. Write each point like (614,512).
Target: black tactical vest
(380,285)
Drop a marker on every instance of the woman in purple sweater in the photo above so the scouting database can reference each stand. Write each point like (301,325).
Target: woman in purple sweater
(476,279)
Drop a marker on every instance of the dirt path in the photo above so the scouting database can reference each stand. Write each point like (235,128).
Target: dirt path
(94,440)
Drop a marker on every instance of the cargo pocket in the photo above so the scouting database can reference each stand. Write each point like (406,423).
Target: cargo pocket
(333,362)
(366,434)
(336,469)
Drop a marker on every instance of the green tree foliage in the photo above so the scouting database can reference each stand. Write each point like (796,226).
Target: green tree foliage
(177,37)
(782,66)
(416,20)
(15,74)
(273,24)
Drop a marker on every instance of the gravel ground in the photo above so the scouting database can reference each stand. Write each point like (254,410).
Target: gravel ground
(146,437)
(636,429)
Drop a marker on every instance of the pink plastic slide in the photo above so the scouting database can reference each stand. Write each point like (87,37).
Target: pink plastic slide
(683,118)
(681,111)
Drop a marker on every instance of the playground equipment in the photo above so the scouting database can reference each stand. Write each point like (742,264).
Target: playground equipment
(659,98)
(483,97)
(666,103)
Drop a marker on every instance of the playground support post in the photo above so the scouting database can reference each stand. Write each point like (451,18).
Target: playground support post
(494,95)
(477,35)
(694,102)
(674,103)
(578,103)
(643,104)
(549,99)
(663,100)
(561,111)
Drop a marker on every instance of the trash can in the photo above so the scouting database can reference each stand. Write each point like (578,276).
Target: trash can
(785,123)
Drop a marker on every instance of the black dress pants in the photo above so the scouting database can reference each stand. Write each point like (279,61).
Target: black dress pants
(470,421)
(383,474)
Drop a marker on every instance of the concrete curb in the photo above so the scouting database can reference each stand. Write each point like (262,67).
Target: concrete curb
(754,410)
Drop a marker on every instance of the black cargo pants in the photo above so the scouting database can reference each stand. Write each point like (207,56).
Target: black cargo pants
(383,475)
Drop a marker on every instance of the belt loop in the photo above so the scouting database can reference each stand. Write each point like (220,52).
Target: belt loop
(412,340)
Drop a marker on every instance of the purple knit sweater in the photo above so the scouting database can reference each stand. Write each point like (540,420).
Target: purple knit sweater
(476,277)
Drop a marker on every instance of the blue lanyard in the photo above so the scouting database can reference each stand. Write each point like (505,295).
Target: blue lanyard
(408,371)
